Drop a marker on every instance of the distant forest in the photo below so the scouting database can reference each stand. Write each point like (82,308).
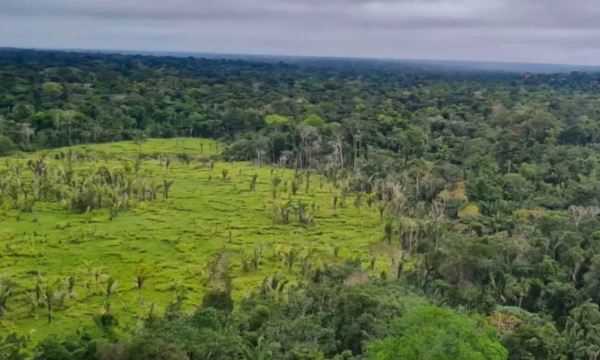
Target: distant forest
(50,99)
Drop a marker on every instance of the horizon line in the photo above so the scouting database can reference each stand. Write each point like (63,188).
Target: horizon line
(226,55)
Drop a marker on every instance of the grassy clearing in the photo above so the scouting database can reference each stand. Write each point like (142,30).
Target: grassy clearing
(211,210)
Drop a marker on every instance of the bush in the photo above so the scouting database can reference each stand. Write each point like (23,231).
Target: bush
(6,145)
(12,347)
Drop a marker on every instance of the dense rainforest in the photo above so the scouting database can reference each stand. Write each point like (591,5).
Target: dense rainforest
(488,182)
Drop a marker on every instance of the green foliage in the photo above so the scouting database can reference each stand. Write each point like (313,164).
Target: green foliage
(583,331)
(535,340)
(434,333)
(52,89)
(6,145)
(290,326)
(314,121)
(485,187)
(12,347)
(276,120)
(78,347)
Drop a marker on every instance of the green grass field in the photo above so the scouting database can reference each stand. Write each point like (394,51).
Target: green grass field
(173,239)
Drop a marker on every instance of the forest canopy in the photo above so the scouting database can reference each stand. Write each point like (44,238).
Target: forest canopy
(487,182)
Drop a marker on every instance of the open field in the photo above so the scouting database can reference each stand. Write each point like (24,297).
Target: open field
(210,210)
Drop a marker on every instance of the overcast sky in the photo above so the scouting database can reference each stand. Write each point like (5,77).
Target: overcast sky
(549,31)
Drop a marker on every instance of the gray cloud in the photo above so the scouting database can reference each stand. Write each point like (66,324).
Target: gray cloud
(500,30)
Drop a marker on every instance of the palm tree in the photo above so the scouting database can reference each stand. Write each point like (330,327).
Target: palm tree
(6,291)
(257,256)
(141,276)
(50,295)
(167,187)
(253,182)
(290,258)
(71,285)
(110,289)
(372,263)
(358,200)
(307,188)
(274,286)
(275,182)
(97,273)
(388,231)
(295,187)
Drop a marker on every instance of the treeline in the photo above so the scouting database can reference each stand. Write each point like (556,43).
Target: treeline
(50,99)
(336,314)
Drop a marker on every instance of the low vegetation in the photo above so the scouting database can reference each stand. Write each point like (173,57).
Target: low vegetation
(108,239)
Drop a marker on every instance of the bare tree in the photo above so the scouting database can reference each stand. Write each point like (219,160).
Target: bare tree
(580,214)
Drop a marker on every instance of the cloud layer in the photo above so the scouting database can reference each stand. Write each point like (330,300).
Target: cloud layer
(550,31)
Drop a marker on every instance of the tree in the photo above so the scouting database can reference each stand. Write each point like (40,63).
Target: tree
(527,336)
(12,347)
(516,187)
(78,347)
(6,145)
(6,292)
(52,89)
(583,332)
(410,142)
(141,275)
(276,120)
(314,121)
(433,333)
